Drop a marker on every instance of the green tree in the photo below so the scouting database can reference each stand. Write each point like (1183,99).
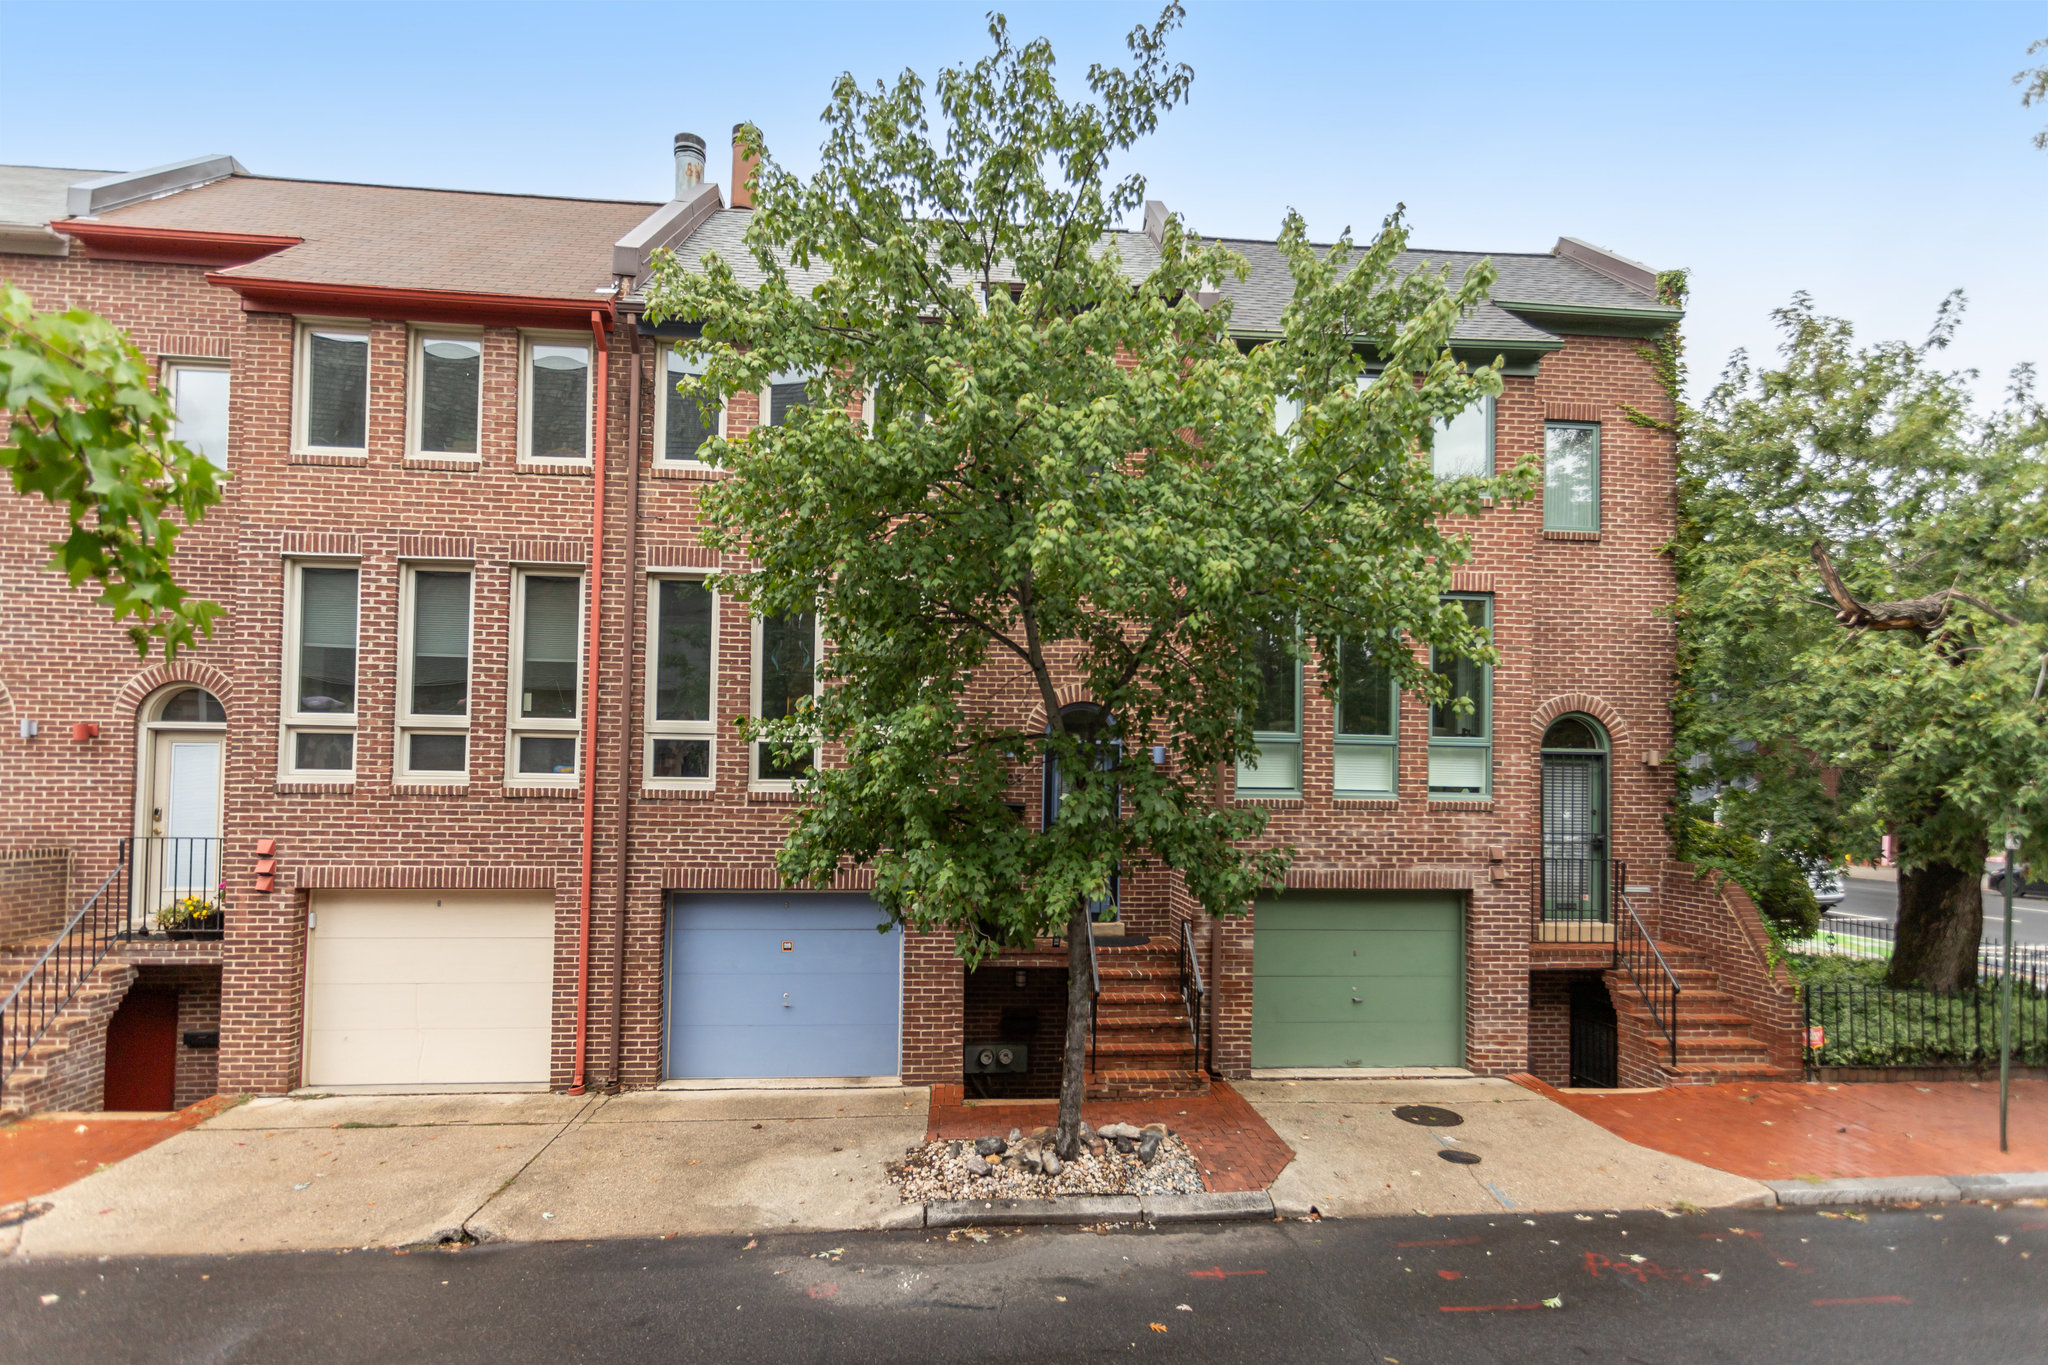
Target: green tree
(2033,84)
(1072,474)
(1863,617)
(88,434)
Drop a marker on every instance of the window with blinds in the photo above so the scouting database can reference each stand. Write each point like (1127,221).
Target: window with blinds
(681,678)
(684,423)
(320,691)
(433,721)
(1275,717)
(1571,476)
(334,389)
(1461,726)
(548,616)
(1367,756)
(447,391)
(555,401)
(785,673)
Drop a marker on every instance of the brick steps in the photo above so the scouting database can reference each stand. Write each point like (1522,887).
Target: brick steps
(1714,1041)
(42,1070)
(1144,1046)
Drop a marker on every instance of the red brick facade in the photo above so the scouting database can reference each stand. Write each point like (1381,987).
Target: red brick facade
(1580,622)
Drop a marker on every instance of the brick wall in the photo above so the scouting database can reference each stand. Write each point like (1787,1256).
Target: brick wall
(992,993)
(1719,918)
(1550,1027)
(34,895)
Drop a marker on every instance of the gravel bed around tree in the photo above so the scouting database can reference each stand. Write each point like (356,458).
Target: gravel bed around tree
(943,1170)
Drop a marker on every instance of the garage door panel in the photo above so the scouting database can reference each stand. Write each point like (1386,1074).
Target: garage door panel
(756,999)
(1400,955)
(361,1056)
(511,1005)
(455,1056)
(1342,911)
(1358,953)
(812,952)
(1304,999)
(433,961)
(739,1052)
(362,1005)
(460,914)
(1397,1044)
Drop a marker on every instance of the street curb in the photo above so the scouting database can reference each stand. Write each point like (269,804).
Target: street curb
(1901,1189)
(1075,1209)
(1209,1207)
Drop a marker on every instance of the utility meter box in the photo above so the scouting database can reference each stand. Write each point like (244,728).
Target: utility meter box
(984,1058)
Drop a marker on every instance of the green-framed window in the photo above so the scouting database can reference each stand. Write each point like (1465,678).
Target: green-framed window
(1571,476)
(1367,747)
(1461,726)
(1276,718)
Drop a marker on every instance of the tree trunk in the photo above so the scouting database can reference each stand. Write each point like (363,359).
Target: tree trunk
(1941,918)
(1080,1015)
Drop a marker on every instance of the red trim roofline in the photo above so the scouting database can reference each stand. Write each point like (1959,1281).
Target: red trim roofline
(413,305)
(172,246)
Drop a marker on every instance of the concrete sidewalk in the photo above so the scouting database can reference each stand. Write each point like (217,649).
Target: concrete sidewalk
(1354,1158)
(352,1171)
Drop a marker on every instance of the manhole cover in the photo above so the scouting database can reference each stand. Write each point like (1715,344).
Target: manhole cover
(1428,1115)
(1458,1158)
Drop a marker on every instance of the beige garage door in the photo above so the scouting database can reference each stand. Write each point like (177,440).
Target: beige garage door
(429,987)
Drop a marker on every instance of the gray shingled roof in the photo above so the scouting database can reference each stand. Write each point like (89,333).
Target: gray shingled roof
(1524,278)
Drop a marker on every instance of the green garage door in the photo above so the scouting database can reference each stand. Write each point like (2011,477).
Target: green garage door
(1358,978)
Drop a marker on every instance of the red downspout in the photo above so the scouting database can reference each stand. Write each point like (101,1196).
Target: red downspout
(600,344)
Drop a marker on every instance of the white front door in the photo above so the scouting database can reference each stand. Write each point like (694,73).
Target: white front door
(182,856)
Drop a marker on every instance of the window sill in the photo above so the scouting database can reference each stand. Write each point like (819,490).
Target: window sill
(575,468)
(1343,802)
(690,473)
(461,464)
(306,786)
(1274,802)
(650,792)
(334,458)
(773,796)
(412,786)
(1472,803)
(512,791)
(1571,535)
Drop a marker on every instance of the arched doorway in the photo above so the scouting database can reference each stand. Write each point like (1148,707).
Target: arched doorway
(175,861)
(1091,725)
(1575,852)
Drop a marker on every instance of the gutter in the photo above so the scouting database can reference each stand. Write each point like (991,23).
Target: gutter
(629,753)
(593,616)
(171,246)
(413,305)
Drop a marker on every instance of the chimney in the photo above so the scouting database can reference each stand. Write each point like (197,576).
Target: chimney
(1155,221)
(689,164)
(742,170)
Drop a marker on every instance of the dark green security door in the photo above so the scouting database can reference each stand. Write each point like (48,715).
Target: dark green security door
(1356,978)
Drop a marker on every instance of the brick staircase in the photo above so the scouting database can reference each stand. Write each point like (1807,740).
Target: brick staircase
(62,1069)
(1144,1042)
(1715,1043)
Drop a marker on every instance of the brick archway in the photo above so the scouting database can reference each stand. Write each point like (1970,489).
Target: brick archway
(1582,703)
(1066,696)
(155,678)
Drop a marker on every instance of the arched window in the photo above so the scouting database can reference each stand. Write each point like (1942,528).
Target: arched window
(1089,724)
(191,706)
(1581,734)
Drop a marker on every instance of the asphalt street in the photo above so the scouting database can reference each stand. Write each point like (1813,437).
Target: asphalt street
(1732,1285)
(1880,900)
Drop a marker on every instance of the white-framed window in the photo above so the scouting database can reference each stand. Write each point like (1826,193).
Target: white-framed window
(785,672)
(1571,476)
(1461,737)
(319,711)
(331,388)
(547,677)
(554,399)
(433,673)
(198,393)
(444,408)
(1367,744)
(784,393)
(682,682)
(1275,717)
(1463,445)
(681,426)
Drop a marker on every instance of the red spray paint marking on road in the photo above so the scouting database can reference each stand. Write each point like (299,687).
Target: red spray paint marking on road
(1443,1242)
(1450,1274)
(1876,1298)
(823,1291)
(1483,1307)
(1218,1272)
(1643,1271)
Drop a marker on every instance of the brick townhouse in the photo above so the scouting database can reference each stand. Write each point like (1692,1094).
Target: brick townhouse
(453,796)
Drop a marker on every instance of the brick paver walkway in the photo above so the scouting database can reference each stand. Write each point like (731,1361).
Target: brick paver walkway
(38,1155)
(1790,1130)
(1233,1146)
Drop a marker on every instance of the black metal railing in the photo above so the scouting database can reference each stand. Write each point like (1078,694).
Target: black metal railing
(1637,953)
(1192,992)
(1857,936)
(1854,1024)
(175,887)
(55,977)
(1572,899)
(1094,998)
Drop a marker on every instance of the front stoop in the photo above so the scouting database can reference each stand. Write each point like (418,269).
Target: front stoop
(66,1068)
(1144,1046)
(1715,1041)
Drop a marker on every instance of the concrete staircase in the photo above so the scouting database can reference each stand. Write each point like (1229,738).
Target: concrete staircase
(1144,1041)
(1715,1043)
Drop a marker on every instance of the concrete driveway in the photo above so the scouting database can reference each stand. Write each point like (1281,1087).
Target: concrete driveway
(1353,1158)
(353,1171)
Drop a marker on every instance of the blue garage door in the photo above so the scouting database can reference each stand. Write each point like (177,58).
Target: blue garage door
(782,985)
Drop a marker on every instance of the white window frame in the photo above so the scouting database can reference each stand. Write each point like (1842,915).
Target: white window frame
(167,385)
(707,729)
(527,341)
(518,727)
(292,722)
(1340,741)
(1490,415)
(410,723)
(803,377)
(756,782)
(665,394)
(1278,739)
(1483,743)
(415,390)
(302,380)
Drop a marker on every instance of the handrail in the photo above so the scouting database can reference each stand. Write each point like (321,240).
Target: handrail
(1192,993)
(17,1037)
(1649,989)
(1095,999)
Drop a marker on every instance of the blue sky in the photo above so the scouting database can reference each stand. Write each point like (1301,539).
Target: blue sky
(1874,155)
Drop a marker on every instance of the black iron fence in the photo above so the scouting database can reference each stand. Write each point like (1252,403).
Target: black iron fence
(1573,899)
(1192,992)
(1857,936)
(175,887)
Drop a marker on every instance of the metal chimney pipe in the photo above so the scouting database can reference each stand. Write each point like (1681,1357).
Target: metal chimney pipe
(689,164)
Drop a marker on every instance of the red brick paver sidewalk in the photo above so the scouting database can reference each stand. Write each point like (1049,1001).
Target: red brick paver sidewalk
(1789,1130)
(1233,1146)
(38,1155)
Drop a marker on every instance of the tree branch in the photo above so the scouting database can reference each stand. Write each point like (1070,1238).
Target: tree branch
(1918,614)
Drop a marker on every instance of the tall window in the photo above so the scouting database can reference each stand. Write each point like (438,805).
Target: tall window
(433,684)
(1571,476)
(320,669)
(334,389)
(1461,726)
(554,401)
(1368,710)
(199,398)
(786,392)
(547,617)
(680,679)
(683,423)
(1275,717)
(447,390)
(785,672)
(1463,445)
